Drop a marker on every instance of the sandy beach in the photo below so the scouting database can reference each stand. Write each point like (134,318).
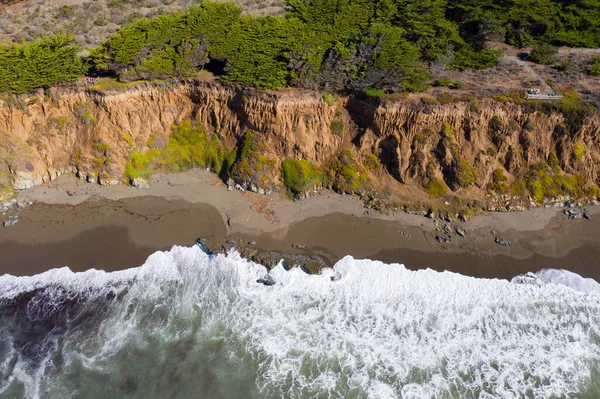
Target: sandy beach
(80,225)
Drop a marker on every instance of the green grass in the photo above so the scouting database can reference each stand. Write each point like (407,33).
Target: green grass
(105,84)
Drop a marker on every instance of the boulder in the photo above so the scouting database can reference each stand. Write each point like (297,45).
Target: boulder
(140,183)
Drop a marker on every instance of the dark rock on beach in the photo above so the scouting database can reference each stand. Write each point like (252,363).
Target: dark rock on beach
(311,264)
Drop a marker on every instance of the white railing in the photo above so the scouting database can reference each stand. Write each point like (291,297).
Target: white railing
(543,97)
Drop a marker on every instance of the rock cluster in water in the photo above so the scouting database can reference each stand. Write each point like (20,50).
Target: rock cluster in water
(311,264)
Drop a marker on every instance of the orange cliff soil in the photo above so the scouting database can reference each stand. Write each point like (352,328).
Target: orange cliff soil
(91,134)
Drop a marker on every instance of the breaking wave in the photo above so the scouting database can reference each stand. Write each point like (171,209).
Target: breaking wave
(189,325)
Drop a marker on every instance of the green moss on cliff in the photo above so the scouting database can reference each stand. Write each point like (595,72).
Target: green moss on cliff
(300,175)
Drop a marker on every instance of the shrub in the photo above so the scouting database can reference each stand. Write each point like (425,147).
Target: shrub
(498,183)
(594,69)
(593,192)
(466,173)
(578,151)
(300,175)
(329,99)
(138,164)
(347,174)
(447,130)
(337,127)
(436,188)
(188,146)
(543,53)
(512,96)
(428,100)
(518,188)
(447,82)
(543,182)
(40,63)
(128,139)
(553,161)
(248,165)
(445,98)
(372,162)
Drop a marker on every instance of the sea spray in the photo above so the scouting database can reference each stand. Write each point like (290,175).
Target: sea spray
(185,325)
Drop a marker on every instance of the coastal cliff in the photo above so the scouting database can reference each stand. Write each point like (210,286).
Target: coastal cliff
(416,149)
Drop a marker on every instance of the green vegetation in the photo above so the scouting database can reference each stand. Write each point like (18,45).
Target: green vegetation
(138,164)
(128,139)
(372,162)
(466,173)
(543,53)
(578,151)
(594,68)
(248,166)
(436,188)
(188,146)
(39,63)
(449,83)
(384,45)
(518,188)
(83,114)
(337,127)
(347,174)
(104,84)
(513,96)
(329,99)
(526,22)
(543,182)
(593,192)
(498,183)
(447,130)
(300,175)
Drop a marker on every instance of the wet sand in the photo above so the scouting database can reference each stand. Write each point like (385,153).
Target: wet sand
(118,233)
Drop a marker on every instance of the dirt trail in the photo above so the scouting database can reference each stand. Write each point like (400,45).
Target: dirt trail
(546,89)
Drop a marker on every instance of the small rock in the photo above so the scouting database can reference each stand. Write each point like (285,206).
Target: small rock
(298,246)
(460,232)
(267,280)
(232,242)
(8,223)
(140,183)
(404,234)
(587,216)
(251,242)
(443,239)
(447,229)
(500,241)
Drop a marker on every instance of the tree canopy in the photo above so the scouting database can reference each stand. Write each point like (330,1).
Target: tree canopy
(40,63)
(335,45)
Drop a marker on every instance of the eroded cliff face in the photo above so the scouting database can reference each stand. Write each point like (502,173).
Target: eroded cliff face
(462,143)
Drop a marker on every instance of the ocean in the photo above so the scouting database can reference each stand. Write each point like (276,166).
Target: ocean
(188,325)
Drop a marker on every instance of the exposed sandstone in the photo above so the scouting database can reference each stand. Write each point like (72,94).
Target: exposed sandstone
(92,133)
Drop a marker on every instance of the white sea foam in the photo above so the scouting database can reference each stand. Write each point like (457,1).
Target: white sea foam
(363,329)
